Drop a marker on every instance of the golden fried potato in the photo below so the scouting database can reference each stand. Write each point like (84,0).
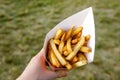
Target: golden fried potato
(85,49)
(76,49)
(61,46)
(87,37)
(77,35)
(54,60)
(68,66)
(65,48)
(57,42)
(69,48)
(66,53)
(69,33)
(74,41)
(63,36)
(82,60)
(77,30)
(57,53)
(58,33)
(75,59)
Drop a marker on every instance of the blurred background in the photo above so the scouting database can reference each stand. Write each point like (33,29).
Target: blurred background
(24,24)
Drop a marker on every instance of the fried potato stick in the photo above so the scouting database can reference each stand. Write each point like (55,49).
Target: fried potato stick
(61,46)
(75,59)
(85,49)
(57,42)
(87,37)
(69,48)
(63,36)
(68,66)
(65,53)
(69,33)
(54,60)
(82,60)
(58,33)
(65,48)
(77,30)
(74,41)
(57,53)
(77,35)
(76,49)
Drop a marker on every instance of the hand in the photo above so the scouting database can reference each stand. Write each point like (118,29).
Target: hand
(37,70)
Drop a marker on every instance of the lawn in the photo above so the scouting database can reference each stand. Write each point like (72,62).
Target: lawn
(24,24)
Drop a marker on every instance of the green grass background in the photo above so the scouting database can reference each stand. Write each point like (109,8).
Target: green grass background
(24,24)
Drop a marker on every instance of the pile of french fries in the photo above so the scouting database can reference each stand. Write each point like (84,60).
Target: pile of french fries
(67,49)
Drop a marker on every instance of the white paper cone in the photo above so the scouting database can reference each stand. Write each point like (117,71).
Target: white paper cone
(83,18)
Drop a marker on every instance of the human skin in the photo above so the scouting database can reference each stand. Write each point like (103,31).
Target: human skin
(37,70)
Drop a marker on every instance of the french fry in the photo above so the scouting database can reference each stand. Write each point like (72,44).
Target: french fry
(57,53)
(73,46)
(81,57)
(61,47)
(69,48)
(63,36)
(58,33)
(85,49)
(76,49)
(87,37)
(69,33)
(57,42)
(75,59)
(82,60)
(65,48)
(77,30)
(79,63)
(77,35)
(54,60)
(68,66)
(74,41)
(85,44)
(65,53)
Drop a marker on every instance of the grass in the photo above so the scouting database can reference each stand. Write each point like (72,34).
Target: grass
(24,24)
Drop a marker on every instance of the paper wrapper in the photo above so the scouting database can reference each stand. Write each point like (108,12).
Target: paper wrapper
(83,18)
